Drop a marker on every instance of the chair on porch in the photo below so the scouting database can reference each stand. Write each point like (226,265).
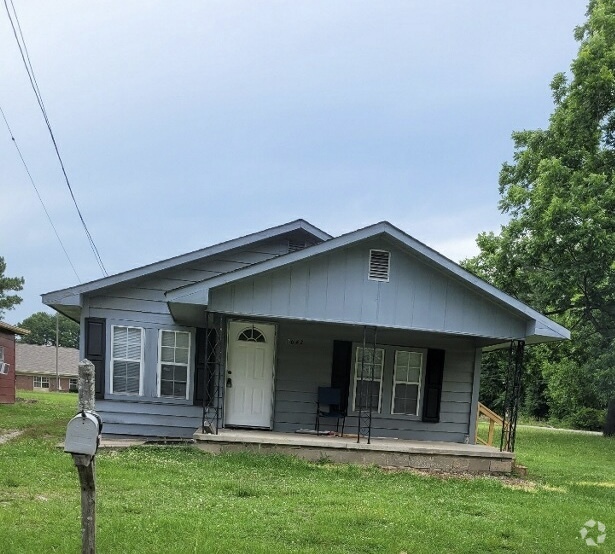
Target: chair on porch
(329,406)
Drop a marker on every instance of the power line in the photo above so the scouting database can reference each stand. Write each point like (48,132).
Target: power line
(23,50)
(39,194)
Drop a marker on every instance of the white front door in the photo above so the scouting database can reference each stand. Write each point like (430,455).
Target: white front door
(249,374)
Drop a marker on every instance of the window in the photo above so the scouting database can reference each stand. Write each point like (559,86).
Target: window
(72,385)
(368,392)
(4,368)
(40,382)
(252,335)
(173,366)
(407,382)
(379,265)
(126,360)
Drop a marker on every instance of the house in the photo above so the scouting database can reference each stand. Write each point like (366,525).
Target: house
(35,367)
(7,361)
(241,335)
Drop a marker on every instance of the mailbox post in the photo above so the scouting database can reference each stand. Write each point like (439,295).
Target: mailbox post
(82,440)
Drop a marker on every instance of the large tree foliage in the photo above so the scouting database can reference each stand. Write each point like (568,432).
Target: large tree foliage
(8,284)
(42,327)
(557,252)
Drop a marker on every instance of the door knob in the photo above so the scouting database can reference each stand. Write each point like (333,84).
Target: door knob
(229,382)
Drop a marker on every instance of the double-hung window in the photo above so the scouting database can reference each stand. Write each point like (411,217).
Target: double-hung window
(40,382)
(407,382)
(126,360)
(174,361)
(368,369)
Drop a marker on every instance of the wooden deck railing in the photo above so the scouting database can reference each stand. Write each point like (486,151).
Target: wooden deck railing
(493,420)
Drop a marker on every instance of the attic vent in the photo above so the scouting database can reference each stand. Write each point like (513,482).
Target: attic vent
(293,246)
(379,265)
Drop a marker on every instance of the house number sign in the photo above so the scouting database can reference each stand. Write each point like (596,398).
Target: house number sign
(295,342)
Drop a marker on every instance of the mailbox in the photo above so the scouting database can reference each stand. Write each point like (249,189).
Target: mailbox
(83,434)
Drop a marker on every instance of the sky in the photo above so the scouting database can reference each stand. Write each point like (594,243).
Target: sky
(184,124)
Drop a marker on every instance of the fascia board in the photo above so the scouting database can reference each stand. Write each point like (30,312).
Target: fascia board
(543,326)
(61,294)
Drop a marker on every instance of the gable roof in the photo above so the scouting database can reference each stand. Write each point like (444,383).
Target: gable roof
(37,359)
(12,329)
(70,296)
(198,293)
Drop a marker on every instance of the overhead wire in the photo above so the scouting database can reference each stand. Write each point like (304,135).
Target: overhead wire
(23,161)
(23,50)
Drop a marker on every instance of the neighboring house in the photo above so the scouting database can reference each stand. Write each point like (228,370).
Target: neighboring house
(7,361)
(253,326)
(35,367)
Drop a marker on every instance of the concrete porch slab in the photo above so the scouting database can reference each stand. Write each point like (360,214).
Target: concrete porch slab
(426,455)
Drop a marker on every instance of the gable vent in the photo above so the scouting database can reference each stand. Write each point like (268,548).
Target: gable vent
(379,265)
(293,246)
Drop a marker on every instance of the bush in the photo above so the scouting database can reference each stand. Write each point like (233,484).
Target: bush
(590,419)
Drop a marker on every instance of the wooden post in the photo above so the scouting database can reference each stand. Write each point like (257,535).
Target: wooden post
(85,464)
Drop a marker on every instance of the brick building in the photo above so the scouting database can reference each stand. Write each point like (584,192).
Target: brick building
(36,367)
(7,361)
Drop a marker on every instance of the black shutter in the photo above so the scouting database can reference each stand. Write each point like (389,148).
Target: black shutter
(340,369)
(95,345)
(434,372)
(204,373)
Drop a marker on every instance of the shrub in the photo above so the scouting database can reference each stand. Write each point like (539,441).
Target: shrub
(587,418)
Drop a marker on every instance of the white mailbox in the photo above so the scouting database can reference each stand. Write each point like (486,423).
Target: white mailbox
(83,434)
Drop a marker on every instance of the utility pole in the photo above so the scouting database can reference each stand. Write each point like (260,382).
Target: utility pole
(57,340)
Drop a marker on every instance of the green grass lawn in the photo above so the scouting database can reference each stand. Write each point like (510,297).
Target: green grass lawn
(178,499)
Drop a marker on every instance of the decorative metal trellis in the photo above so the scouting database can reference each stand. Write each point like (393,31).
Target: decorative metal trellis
(512,395)
(365,384)
(213,382)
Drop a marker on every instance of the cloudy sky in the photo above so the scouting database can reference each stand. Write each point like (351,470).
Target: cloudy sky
(182,124)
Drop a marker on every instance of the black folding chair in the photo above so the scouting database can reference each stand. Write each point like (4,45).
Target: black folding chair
(329,406)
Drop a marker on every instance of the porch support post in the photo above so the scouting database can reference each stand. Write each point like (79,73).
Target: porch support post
(364,425)
(213,393)
(206,375)
(478,354)
(513,395)
(220,369)
(361,385)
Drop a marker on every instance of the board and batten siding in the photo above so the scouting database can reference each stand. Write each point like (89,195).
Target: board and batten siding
(303,363)
(334,287)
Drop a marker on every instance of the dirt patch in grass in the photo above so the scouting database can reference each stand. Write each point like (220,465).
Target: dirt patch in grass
(5,437)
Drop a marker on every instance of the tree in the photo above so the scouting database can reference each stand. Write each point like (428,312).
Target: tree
(42,327)
(8,301)
(557,253)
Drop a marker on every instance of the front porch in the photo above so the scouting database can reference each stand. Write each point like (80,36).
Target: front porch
(424,455)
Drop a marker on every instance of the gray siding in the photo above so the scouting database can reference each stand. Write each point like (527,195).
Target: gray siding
(142,303)
(148,419)
(300,369)
(334,287)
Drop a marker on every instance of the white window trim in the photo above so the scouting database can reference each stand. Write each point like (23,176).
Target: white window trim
(357,378)
(76,380)
(141,364)
(159,369)
(1,354)
(419,383)
(40,378)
